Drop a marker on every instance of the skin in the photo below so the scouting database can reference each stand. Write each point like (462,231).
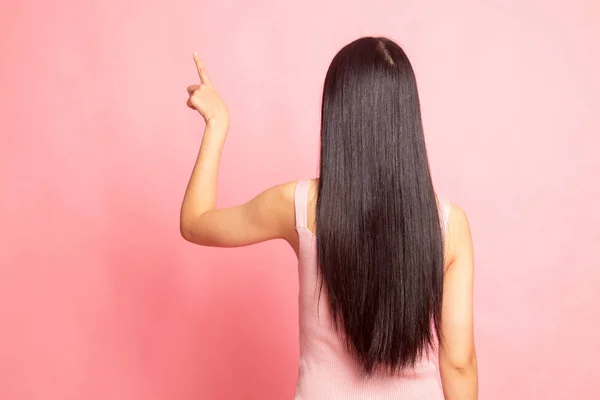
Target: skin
(270,215)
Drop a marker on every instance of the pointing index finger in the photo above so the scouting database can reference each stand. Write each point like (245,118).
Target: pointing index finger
(198,63)
(201,71)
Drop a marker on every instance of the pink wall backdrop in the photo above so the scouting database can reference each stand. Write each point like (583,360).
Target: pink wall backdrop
(101,299)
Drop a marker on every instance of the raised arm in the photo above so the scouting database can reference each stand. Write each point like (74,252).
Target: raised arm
(268,216)
(458,361)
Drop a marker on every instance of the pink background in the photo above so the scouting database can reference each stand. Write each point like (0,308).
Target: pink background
(101,299)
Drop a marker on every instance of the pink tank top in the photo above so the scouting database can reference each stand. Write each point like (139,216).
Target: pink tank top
(326,371)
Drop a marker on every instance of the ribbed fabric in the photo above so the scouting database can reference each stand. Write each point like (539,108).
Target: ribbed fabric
(326,371)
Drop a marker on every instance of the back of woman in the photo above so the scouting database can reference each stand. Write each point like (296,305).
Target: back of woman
(385,266)
(327,370)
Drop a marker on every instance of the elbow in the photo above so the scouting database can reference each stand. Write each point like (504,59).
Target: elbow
(196,229)
(185,231)
(463,363)
(188,229)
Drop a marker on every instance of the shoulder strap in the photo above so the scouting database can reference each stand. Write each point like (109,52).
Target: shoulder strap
(300,202)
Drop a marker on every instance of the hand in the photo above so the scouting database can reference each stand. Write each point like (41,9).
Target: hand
(205,99)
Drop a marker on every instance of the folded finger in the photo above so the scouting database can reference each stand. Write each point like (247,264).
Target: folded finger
(192,88)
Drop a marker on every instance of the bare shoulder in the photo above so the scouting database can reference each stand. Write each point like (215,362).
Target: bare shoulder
(458,234)
(457,216)
(279,205)
(281,195)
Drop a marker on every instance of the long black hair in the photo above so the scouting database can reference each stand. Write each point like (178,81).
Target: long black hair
(379,237)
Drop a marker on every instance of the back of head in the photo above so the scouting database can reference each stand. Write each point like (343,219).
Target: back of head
(379,237)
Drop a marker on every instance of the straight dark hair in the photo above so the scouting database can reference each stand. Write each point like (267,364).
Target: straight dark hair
(379,237)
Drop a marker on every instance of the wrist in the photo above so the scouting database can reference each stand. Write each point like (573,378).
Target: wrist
(217,126)
(215,134)
(218,123)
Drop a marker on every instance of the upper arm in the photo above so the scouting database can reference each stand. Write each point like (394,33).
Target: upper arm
(457,346)
(270,215)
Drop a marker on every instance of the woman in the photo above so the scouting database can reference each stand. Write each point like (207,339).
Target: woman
(386,267)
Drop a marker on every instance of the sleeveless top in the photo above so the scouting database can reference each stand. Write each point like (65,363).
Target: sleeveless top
(326,370)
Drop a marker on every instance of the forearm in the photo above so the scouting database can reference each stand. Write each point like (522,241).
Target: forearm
(460,383)
(201,193)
